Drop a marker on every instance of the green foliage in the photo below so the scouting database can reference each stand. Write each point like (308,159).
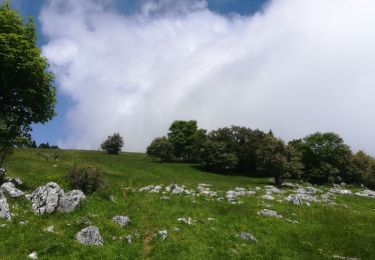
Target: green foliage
(214,156)
(113,144)
(182,136)
(360,167)
(325,156)
(26,92)
(161,148)
(85,178)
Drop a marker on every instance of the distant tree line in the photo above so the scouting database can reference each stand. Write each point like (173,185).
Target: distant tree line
(317,158)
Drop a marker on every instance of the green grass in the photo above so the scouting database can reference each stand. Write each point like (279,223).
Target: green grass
(323,231)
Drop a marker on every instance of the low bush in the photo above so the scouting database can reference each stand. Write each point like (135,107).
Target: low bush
(86,178)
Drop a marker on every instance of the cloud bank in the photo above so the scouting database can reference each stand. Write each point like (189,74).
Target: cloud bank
(295,67)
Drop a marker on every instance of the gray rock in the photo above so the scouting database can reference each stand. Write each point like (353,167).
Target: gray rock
(366,193)
(128,238)
(338,190)
(68,202)
(163,234)
(33,255)
(156,189)
(295,198)
(188,220)
(146,188)
(4,208)
(269,213)
(9,188)
(121,220)
(49,229)
(45,198)
(248,237)
(177,189)
(90,236)
(268,197)
(344,257)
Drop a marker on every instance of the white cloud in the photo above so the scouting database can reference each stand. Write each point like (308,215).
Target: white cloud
(297,67)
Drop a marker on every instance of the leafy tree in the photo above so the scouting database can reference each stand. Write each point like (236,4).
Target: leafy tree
(360,168)
(243,143)
(325,156)
(215,156)
(161,148)
(182,135)
(26,92)
(113,144)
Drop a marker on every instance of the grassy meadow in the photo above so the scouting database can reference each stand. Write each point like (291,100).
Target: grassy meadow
(322,232)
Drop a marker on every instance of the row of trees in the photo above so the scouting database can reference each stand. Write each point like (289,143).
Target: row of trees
(317,158)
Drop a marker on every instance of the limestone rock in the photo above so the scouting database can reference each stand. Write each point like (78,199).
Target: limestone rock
(128,238)
(248,237)
(45,198)
(366,193)
(4,208)
(338,190)
(269,213)
(121,220)
(163,234)
(146,188)
(9,188)
(68,202)
(49,229)
(33,255)
(90,236)
(295,198)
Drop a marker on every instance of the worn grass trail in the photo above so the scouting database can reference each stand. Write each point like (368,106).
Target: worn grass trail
(323,231)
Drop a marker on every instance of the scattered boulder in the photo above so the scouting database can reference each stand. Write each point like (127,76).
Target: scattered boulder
(45,198)
(344,257)
(188,220)
(9,188)
(163,234)
(4,208)
(175,189)
(204,189)
(295,198)
(90,236)
(50,197)
(68,202)
(49,229)
(121,220)
(128,238)
(146,188)
(366,193)
(16,181)
(269,213)
(248,237)
(267,197)
(271,189)
(165,198)
(338,190)
(33,255)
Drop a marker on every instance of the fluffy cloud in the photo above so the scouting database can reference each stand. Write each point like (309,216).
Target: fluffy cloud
(296,67)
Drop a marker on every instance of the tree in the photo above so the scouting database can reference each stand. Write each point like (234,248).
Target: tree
(325,156)
(27,94)
(182,135)
(161,148)
(215,156)
(360,168)
(113,144)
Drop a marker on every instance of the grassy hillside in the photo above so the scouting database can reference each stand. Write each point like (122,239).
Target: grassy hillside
(322,232)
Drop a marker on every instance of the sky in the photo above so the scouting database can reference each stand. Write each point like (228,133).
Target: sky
(133,67)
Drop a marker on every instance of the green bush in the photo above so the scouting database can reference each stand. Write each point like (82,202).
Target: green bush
(113,144)
(86,178)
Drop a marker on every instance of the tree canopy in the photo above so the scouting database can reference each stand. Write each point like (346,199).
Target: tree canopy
(27,94)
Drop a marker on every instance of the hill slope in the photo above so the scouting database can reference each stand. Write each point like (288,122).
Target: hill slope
(323,230)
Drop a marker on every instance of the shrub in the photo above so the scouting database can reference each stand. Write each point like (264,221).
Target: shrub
(215,157)
(113,144)
(86,178)
(161,148)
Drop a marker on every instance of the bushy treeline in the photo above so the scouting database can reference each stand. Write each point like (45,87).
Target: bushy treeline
(317,158)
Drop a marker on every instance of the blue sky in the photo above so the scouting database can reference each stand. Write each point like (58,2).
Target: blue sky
(55,129)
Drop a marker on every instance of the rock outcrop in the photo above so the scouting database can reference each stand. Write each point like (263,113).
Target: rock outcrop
(4,208)
(50,197)
(9,188)
(121,220)
(90,236)
(68,202)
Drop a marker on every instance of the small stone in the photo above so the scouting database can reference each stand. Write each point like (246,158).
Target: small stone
(188,221)
(33,255)
(248,237)
(146,188)
(211,219)
(128,238)
(4,209)
(267,197)
(121,220)
(176,229)
(23,222)
(90,236)
(163,234)
(269,213)
(50,229)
